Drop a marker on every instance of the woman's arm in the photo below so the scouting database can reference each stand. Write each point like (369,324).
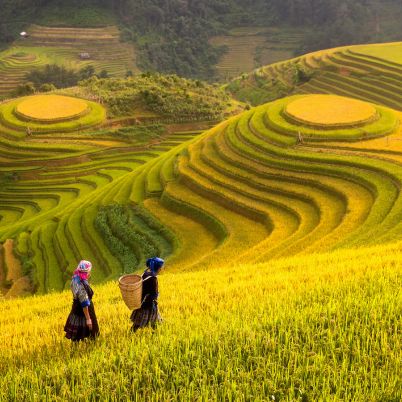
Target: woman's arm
(87,317)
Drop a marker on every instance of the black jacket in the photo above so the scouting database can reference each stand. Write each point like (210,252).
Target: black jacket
(149,289)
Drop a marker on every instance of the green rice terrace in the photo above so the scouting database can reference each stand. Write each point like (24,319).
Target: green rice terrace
(63,46)
(58,150)
(250,47)
(277,180)
(371,73)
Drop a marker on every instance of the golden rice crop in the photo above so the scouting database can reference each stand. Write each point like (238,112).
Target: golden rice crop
(315,328)
(187,252)
(51,107)
(330,110)
(391,52)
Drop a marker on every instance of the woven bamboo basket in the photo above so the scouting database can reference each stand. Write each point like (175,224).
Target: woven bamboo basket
(131,290)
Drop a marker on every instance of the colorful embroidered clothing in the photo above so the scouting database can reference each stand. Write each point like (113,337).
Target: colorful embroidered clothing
(76,327)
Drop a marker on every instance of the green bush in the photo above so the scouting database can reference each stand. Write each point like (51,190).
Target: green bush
(165,95)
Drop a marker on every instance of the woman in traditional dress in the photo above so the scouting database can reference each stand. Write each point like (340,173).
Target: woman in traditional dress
(148,313)
(81,322)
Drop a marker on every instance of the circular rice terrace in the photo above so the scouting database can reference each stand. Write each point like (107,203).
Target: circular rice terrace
(22,57)
(330,110)
(330,118)
(51,108)
(51,113)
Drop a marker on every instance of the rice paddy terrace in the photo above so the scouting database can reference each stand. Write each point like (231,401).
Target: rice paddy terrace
(368,72)
(48,45)
(277,180)
(56,152)
(249,47)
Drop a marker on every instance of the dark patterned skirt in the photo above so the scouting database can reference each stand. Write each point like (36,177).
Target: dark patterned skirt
(76,327)
(145,316)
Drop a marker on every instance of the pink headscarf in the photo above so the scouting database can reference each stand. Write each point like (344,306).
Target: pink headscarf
(83,269)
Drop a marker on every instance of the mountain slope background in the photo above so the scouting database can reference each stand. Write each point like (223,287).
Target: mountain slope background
(173,36)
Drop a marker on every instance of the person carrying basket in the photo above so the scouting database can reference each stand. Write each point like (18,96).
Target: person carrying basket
(148,313)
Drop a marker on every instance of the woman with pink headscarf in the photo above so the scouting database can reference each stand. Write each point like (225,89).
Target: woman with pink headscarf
(82,322)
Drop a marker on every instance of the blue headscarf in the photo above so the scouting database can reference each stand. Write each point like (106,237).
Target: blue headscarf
(155,264)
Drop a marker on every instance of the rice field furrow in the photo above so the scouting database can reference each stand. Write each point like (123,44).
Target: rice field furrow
(309,188)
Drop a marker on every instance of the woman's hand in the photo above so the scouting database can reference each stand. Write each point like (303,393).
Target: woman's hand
(89,324)
(88,318)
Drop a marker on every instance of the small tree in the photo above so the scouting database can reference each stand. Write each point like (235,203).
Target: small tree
(47,87)
(103,74)
(24,89)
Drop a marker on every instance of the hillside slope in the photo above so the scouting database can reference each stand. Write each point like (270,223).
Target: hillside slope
(255,189)
(63,46)
(57,151)
(265,184)
(249,47)
(367,72)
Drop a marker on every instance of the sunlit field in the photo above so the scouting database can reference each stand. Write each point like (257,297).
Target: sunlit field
(327,110)
(51,107)
(317,328)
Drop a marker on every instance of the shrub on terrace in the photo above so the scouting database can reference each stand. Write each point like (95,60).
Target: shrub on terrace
(162,94)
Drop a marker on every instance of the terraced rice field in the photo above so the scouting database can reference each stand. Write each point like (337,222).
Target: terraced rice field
(300,328)
(281,231)
(250,47)
(370,73)
(62,46)
(48,176)
(51,113)
(267,184)
(259,192)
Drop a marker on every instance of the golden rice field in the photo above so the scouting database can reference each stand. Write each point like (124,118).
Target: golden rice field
(313,328)
(51,114)
(51,107)
(391,52)
(330,110)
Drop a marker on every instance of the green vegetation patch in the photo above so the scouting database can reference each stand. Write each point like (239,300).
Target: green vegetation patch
(164,95)
(64,15)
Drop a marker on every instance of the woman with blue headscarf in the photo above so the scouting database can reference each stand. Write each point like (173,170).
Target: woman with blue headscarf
(148,313)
